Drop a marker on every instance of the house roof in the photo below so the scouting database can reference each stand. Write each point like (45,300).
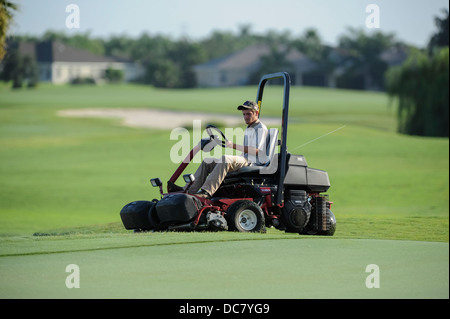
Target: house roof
(249,59)
(53,51)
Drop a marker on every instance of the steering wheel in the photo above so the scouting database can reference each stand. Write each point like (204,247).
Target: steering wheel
(222,141)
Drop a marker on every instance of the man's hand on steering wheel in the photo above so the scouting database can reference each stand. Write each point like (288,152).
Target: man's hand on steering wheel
(229,144)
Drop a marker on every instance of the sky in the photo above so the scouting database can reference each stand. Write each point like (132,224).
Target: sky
(412,21)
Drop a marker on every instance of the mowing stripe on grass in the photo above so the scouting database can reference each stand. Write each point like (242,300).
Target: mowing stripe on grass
(317,268)
(133,246)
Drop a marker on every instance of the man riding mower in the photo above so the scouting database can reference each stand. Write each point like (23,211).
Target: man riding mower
(265,186)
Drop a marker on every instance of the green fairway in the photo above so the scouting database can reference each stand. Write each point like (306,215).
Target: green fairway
(66,179)
(270,268)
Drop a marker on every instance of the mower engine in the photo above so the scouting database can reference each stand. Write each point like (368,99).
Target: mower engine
(296,210)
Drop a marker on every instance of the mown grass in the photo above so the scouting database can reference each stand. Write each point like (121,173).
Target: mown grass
(61,175)
(63,182)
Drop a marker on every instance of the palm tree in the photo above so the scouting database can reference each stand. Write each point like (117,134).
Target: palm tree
(6,8)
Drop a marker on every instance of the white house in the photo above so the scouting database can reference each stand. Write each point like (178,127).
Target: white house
(59,63)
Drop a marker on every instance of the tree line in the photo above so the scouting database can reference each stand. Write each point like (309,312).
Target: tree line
(420,84)
(169,62)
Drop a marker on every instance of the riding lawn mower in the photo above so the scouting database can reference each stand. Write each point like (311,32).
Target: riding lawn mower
(283,192)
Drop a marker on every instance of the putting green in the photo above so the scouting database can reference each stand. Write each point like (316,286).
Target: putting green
(272,268)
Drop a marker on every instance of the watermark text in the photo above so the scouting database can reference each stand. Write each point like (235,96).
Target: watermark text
(373,19)
(73,19)
(73,279)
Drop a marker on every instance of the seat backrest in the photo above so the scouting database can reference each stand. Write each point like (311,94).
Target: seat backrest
(271,144)
(266,163)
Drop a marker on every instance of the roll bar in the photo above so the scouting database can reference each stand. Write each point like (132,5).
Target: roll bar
(284,124)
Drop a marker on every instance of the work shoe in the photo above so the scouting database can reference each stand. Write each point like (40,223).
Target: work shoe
(171,187)
(202,193)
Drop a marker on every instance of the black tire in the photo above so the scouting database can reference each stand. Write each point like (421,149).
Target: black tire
(245,216)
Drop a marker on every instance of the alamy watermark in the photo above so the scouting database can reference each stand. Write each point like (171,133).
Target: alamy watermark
(73,19)
(73,279)
(213,150)
(373,19)
(373,279)
(187,140)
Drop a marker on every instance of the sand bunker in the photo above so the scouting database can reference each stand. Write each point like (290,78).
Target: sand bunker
(161,119)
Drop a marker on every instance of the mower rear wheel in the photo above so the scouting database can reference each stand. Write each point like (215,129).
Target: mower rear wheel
(245,216)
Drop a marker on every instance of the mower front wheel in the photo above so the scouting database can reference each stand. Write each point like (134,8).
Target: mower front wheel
(245,216)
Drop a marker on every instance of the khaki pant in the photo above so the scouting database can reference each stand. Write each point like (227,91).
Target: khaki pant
(212,172)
